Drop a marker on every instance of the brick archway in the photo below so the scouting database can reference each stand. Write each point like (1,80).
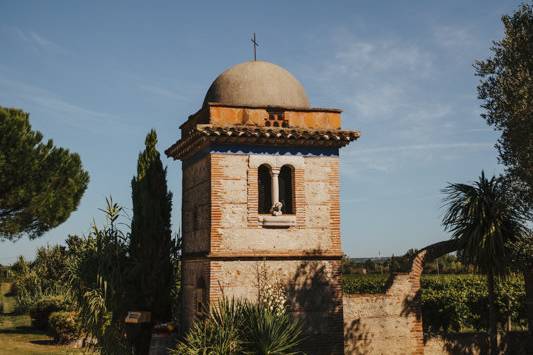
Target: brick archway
(427,254)
(372,322)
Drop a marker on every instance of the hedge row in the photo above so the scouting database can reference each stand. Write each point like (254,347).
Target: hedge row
(372,283)
(455,302)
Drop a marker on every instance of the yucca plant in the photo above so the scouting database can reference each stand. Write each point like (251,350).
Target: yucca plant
(217,333)
(267,331)
(240,327)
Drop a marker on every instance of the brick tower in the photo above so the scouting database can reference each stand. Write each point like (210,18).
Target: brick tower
(260,193)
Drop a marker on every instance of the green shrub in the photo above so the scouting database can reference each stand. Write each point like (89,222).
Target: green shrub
(41,310)
(451,303)
(455,302)
(44,276)
(218,333)
(64,327)
(269,332)
(240,327)
(373,283)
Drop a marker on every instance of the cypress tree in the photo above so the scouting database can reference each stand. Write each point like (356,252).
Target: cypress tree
(151,240)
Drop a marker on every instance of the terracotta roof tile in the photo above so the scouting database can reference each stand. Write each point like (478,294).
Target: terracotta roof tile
(207,133)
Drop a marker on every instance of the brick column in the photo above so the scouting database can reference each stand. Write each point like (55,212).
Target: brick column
(416,328)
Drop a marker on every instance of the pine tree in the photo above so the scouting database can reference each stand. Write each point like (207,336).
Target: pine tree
(151,241)
(40,184)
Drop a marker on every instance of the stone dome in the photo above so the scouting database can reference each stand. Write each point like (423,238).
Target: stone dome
(257,84)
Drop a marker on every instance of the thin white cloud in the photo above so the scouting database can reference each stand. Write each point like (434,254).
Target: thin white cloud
(454,36)
(361,57)
(387,159)
(424,147)
(474,130)
(378,79)
(162,92)
(376,102)
(378,58)
(395,87)
(70,113)
(37,41)
(59,105)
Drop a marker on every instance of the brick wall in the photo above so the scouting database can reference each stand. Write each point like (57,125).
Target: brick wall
(388,323)
(305,257)
(196,205)
(224,241)
(191,272)
(314,294)
(234,219)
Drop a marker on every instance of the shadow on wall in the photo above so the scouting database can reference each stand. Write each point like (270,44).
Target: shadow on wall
(314,295)
(391,322)
(357,338)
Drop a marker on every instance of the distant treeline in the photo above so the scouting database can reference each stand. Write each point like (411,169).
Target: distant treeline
(447,264)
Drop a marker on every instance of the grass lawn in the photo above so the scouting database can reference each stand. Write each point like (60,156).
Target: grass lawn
(17,337)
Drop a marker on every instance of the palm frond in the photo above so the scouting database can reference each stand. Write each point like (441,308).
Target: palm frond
(485,220)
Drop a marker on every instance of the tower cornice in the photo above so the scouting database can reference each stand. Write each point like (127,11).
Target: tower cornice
(204,134)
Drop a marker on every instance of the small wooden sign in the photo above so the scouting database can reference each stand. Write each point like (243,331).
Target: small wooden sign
(136,317)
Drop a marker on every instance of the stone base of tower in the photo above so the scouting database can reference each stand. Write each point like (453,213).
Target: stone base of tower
(313,292)
(194,289)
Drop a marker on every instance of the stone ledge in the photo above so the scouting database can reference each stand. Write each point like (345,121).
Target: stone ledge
(283,221)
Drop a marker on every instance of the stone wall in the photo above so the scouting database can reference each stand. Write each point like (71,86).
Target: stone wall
(195,214)
(195,275)
(388,323)
(305,256)
(196,205)
(314,294)
(235,227)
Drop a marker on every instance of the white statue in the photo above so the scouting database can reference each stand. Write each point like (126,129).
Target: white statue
(276,209)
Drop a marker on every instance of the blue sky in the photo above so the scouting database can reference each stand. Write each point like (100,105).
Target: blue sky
(97,76)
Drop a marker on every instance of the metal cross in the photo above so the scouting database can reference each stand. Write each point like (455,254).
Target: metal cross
(255,46)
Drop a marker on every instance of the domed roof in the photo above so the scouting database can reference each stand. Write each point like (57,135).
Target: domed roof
(257,84)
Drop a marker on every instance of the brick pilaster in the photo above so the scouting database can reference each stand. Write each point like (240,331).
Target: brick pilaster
(216,211)
(335,213)
(299,197)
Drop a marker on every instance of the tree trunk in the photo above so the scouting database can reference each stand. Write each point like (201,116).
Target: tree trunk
(492,315)
(528,278)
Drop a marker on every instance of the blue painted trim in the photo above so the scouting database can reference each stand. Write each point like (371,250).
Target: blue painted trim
(271,150)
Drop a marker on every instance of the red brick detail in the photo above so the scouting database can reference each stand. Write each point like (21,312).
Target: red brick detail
(216,209)
(270,255)
(299,197)
(335,213)
(253,198)
(416,329)
(216,289)
(404,297)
